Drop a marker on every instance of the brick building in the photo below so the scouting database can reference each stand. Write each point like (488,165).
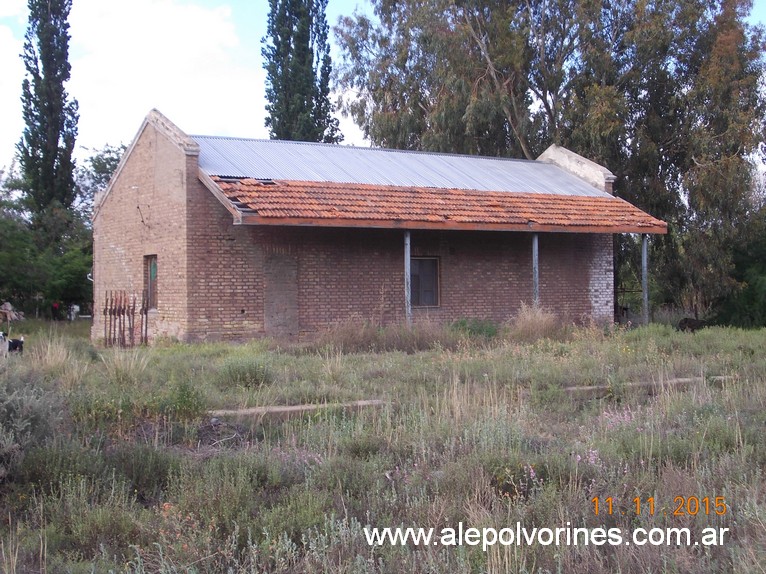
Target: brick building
(232,238)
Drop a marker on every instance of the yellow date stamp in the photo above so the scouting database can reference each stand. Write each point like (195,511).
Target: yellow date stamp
(682,506)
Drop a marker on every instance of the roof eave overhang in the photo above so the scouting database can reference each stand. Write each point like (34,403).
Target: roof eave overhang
(248,217)
(532,227)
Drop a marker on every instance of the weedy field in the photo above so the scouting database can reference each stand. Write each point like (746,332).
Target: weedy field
(110,461)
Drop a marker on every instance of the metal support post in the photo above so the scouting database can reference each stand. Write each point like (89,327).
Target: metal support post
(407,279)
(535,271)
(645,278)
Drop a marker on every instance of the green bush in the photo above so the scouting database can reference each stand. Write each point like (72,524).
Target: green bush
(28,417)
(183,402)
(476,328)
(47,467)
(300,511)
(147,470)
(90,516)
(246,372)
(97,410)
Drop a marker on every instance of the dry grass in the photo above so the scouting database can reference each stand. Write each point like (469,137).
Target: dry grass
(533,323)
(125,367)
(477,432)
(357,335)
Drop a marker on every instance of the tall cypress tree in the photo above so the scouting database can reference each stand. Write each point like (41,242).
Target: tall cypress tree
(297,62)
(45,150)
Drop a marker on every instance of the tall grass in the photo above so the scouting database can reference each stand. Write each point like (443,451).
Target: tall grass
(125,368)
(122,470)
(532,323)
(358,336)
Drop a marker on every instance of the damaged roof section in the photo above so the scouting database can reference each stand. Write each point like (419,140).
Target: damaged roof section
(331,204)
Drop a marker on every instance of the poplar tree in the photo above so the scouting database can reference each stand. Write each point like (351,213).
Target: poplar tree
(50,115)
(297,61)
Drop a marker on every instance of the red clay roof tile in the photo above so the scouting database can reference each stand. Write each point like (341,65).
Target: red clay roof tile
(361,205)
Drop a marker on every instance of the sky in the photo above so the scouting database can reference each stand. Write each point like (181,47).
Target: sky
(196,61)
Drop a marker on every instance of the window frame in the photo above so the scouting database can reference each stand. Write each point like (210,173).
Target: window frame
(436,281)
(150,283)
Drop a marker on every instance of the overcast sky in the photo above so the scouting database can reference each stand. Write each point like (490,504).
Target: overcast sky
(197,61)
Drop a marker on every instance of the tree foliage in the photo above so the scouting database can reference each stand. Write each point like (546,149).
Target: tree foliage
(45,235)
(39,273)
(50,116)
(412,79)
(665,93)
(95,175)
(297,61)
(746,305)
(17,250)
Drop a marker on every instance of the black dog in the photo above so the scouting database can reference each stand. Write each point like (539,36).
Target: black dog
(689,324)
(14,345)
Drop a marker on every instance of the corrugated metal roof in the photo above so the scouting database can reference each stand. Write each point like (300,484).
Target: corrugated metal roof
(299,161)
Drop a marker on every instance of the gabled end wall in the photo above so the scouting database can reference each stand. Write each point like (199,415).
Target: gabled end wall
(143,213)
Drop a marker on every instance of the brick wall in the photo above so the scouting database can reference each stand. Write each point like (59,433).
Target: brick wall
(576,276)
(602,279)
(305,279)
(225,262)
(144,215)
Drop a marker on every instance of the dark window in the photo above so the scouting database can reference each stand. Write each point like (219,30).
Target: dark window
(150,281)
(425,281)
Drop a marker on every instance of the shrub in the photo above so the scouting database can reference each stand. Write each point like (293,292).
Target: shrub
(28,417)
(481,328)
(246,372)
(301,511)
(222,488)
(92,515)
(357,335)
(533,323)
(47,467)
(183,402)
(98,410)
(146,469)
(125,368)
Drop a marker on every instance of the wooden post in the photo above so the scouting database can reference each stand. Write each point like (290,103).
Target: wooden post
(145,312)
(121,319)
(132,321)
(407,279)
(645,278)
(535,271)
(110,305)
